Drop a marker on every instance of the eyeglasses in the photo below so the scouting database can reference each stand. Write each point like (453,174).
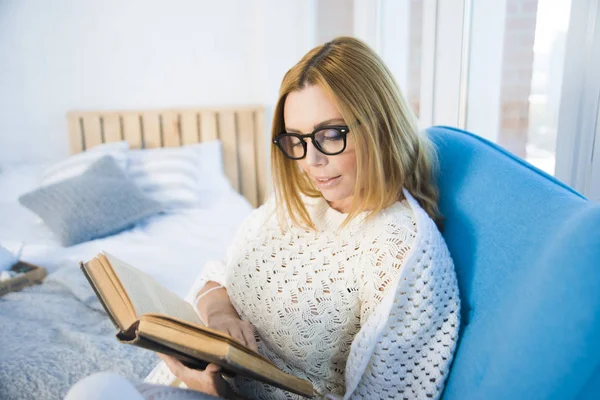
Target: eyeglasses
(329,140)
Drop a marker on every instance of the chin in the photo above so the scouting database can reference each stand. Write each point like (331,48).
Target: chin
(334,196)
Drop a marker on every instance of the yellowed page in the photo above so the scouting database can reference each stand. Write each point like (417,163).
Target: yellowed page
(117,304)
(148,296)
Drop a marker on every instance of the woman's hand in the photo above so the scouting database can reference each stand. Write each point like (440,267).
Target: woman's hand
(217,312)
(208,381)
(230,323)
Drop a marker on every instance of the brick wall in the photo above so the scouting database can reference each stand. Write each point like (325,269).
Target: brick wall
(517,68)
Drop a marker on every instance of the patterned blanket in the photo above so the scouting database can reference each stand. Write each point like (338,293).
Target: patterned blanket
(56,333)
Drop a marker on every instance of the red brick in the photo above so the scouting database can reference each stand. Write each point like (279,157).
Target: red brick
(530,7)
(520,24)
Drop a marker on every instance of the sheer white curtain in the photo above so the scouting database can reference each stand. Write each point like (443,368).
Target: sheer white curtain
(494,67)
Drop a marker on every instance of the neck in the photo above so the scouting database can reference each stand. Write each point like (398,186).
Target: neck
(343,205)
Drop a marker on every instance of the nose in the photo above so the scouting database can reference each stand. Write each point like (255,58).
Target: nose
(313,156)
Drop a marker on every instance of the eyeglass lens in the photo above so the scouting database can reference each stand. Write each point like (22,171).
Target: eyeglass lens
(330,141)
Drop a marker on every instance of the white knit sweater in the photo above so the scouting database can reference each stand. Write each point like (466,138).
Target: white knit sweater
(368,311)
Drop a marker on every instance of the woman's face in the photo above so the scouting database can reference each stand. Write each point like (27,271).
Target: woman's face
(334,176)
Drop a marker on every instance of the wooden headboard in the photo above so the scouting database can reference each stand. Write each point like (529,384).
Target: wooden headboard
(240,129)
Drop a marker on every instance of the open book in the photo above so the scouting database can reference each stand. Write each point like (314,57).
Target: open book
(150,316)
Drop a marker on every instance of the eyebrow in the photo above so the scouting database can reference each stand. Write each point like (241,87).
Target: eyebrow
(319,125)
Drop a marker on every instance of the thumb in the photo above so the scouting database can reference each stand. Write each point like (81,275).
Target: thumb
(213,368)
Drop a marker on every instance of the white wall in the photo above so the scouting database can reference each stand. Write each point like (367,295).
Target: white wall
(111,54)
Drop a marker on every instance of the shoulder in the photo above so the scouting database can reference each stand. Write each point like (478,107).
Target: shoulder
(401,214)
(396,221)
(267,208)
(259,216)
(388,238)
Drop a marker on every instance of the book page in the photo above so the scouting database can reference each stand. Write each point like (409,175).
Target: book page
(116,304)
(148,296)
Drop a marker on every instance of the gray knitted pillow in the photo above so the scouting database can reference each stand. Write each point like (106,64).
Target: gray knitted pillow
(100,202)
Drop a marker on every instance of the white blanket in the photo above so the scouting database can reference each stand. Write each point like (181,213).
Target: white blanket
(171,247)
(56,333)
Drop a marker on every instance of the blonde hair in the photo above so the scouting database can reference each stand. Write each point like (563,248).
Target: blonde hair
(391,153)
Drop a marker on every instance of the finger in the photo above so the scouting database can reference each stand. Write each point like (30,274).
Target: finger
(173,364)
(236,333)
(167,359)
(184,373)
(248,330)
(164,357)
(213,368)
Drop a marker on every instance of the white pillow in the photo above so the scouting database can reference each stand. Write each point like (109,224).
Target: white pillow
(76,164)
(179,177)
(7,259)
(211,173)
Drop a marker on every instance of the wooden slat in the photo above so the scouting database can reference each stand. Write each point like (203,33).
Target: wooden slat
(247,156)
(208,126)
(189,127)
(76,143)
(228,136)
(261,154)
(92,130)
(151,130)
(112,128)
(170,129)
(132,131)
(243,137)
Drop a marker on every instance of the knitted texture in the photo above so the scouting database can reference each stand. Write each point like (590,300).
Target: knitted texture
(100,202)
(367,311)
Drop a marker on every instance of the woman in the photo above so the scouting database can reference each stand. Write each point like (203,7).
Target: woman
(342,277)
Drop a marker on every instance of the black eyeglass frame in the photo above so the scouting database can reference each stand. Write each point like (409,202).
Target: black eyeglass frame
(342,129)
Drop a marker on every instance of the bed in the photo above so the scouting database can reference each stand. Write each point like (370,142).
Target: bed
(53,334)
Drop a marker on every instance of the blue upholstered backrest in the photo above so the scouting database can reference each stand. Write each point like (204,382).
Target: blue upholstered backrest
(527,255)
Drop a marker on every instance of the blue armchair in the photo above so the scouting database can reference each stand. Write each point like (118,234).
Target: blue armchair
(527,254)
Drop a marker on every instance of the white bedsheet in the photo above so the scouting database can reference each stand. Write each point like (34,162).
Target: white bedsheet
(171,247)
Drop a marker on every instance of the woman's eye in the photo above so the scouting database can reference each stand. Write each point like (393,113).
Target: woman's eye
(332,135)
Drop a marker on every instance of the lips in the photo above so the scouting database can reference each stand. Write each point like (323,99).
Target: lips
(326,179)
(324,182)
